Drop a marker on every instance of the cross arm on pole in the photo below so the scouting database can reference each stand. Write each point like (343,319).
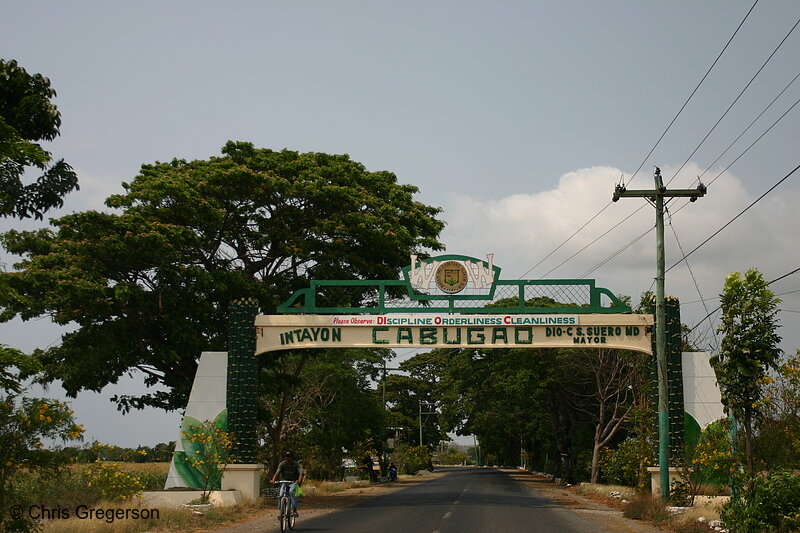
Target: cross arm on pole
(693,194)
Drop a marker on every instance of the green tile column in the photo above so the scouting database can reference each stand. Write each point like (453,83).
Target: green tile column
(674,382)
(677,432)
(242,379)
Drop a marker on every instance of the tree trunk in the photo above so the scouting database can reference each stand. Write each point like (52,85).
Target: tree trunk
(748,439)
(596,463)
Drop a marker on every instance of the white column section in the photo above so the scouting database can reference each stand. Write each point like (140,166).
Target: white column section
(701,396)
(206,400)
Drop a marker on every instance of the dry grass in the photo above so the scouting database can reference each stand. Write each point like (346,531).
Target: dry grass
(642,506)
(162,520)
(687,522)
(605,491)
(173,520)
(151,468)
(321,488)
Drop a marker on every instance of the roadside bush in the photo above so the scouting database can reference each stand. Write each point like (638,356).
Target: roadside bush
(626,464)
(645,506)
(152,480)
(113,483)
(67,489)
(770,503)
(25,424)
(411,459)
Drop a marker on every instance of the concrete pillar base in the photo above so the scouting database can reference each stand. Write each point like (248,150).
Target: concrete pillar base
(655,478)
(243,477)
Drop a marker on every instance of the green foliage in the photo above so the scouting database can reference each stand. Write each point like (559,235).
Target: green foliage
(711,460)
(411,459)
(777,444)
(149,286)
(27,115)
(407,394)
(91,452)
(67,488)
(766,503)
(749,347)
(24,424)
(319,403)
(451,455)
(113,482)
(15,367)
(206,450)
(626,464)
(500,396)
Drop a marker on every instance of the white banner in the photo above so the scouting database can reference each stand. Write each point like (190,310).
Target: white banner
(288,332)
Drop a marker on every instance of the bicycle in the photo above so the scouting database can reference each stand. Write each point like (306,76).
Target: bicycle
(285,511)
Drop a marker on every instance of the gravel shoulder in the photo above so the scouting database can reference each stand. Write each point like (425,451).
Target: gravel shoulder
(606,514)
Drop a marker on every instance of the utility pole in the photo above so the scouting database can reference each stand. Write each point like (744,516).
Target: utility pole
(383,382)
(420,418)
(656,197)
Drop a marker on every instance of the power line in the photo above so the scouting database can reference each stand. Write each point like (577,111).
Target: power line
(594,241)
(785,276)
(657,142)
(787,292)
(751,125)
(796,270)
(693,92)
(775,123)
(619,251)
(752,144)
(734,101)
(745,151)
(721,172)
(743,211)
(566,241)
(694,279)
(717,297)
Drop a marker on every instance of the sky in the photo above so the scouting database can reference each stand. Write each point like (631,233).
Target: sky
(516,118)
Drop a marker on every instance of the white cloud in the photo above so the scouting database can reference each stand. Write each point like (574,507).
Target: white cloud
(524,228)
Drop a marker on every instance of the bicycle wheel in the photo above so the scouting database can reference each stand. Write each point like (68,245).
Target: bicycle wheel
(285,514)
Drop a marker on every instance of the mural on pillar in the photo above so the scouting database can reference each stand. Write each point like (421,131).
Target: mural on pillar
(191,428)
(702,401)
(207,401)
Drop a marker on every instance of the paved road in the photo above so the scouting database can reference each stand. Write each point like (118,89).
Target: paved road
(465,500)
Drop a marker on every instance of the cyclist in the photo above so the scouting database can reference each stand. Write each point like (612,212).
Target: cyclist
(289,470)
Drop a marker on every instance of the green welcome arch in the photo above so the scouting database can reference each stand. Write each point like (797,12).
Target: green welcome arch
(452,301)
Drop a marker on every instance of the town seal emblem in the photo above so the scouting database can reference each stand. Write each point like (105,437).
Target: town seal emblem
(451,277)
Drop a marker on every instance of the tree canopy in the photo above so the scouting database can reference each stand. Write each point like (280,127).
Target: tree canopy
(28,115)
(319,404)
(749,347)
(148,286)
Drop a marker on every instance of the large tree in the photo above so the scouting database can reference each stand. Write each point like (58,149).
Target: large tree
(602,388)
(28,115)
(749,348)
(409,395)
(147,287)
(319,403)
